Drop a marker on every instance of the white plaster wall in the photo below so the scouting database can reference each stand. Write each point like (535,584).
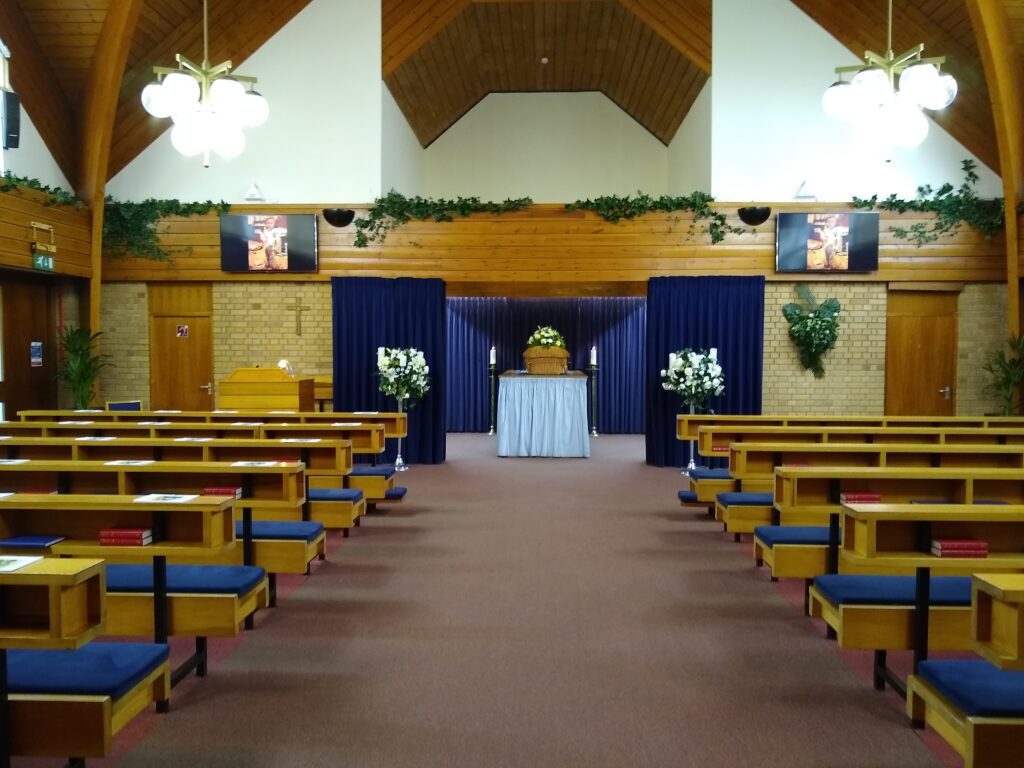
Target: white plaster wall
(689,156)
(32,158)
(401,153)
(322,142)
(771,64)
(553,147)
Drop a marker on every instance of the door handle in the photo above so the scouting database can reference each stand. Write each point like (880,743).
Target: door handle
(947,391)
(208,387)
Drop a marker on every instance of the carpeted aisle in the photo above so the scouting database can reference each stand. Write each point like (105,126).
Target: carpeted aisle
(533,612)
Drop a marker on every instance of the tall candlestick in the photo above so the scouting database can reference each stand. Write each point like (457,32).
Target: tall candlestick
(494,356)
(593,355)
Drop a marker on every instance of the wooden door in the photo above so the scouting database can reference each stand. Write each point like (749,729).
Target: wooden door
(28,358)
(920,353)
(181,347)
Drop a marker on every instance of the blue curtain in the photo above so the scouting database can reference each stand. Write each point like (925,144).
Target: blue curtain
(701,312)
(614,325)
(371,312)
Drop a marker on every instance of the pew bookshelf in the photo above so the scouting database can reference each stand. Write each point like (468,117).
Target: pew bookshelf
(688,424)
(395,424)
(715,441)
(87,427)
(52,603)
(808,495)
(323,457)
(997,619)
(753,465)
(201,530)
(366,438)
(279,487)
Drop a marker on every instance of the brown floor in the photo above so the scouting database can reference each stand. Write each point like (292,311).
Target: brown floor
(533,612)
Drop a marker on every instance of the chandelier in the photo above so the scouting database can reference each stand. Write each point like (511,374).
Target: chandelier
(208,104)
(879,112)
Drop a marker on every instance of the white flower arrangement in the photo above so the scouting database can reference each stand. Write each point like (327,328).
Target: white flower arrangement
(694,375)
(545,336)
(404,373)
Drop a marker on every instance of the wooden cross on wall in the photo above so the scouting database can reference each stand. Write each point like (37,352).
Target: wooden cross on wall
(298,308)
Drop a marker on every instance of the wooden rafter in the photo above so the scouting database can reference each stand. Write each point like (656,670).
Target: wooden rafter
(686,26)
(1003,74)
(408,24)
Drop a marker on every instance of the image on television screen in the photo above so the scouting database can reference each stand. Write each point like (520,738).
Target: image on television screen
(268,242)
(827,242)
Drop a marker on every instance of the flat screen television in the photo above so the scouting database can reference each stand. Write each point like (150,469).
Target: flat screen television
(827,242)
(268,242)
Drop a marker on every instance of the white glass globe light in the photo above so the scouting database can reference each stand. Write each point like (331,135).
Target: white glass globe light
(227,140)
(182,90)
(871,86)
(255,110)
(906,124)
(226,94)
(839,101)
(919,82)
(942,94)
(187,140)
(156,101)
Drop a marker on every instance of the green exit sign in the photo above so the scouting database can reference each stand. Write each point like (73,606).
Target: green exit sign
(42,261)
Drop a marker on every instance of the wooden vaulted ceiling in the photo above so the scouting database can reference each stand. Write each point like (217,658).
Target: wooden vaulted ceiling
(440,57)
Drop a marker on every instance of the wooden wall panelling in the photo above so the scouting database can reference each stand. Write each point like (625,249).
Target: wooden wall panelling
(546,250)
(71,230)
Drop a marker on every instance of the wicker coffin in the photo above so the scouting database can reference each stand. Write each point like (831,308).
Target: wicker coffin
(546,360)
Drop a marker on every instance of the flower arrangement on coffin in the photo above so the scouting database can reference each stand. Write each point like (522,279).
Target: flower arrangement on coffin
(813,327)
(404,374)
(545,351)
(694,375)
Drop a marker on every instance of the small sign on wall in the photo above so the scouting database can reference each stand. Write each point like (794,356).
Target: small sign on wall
(182,332)
(35,354)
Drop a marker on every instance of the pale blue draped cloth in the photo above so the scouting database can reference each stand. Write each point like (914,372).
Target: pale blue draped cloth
(543,415)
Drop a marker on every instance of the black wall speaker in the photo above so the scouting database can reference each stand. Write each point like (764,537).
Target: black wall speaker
(10,115)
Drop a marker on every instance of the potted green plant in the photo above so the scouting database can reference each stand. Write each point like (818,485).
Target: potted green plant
(1007,371)
(80,365)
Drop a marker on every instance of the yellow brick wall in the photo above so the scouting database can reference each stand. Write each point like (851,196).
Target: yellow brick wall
(124,315)
(981,328)
(252,326)
(854,381)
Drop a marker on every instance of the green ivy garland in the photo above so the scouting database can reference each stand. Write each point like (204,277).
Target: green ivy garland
(952,208)
(57,195)
(813,327)
(614,208)
(394,208)
(129,229)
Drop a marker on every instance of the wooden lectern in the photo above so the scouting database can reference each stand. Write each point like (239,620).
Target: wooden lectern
(265,389)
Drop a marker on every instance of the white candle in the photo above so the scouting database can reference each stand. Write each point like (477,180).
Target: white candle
(494,356)
(593,356)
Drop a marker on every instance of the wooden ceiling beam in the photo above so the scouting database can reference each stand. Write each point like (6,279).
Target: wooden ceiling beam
(39,89)
(684,26)
(1002,65)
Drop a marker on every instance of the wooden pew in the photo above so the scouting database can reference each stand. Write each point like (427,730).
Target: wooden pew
(988,734)
(154,429)
(752,465)
(395,424)
(58,606)
(715,441)
(688,424)
(896,539)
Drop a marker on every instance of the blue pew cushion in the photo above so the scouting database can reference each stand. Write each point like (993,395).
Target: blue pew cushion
(770,535)
(741,499)
(362,470)
(395,494)
(193,579)
(976,687)
(703,473)
(688,497)
(334,494)
(97,669)
(857,589)
(273,529)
